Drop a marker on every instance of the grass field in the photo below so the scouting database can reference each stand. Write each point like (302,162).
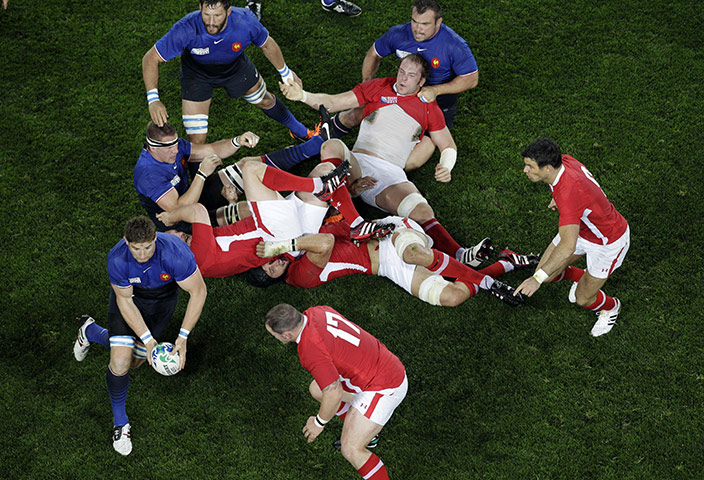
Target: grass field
(495,393)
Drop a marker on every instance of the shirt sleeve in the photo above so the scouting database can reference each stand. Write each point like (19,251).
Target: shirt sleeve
(569,206)
(258,31)
(386,44)
(320,364)
(172,44)
(181,263)
(366,91)
(463,62)
(436,120)
(303,274)
(117,272)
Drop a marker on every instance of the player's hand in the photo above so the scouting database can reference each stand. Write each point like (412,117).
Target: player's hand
(248,139)
(311,430)
(427,94)
(4,4)
(209,164)
(261,250)
(361,184)
(291,91)
(529,286)
(552,205)
(296,79)
(158,112)
(442,174)
(166,218)
(180,348)
(150,346)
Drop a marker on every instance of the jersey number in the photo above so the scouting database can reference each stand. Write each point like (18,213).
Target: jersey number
(332,321)
(589,175)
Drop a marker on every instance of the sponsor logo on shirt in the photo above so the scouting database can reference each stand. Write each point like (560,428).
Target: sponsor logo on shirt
(236,47)
(435,62)
(165,277)
(422,49)
(200,51)
(218,41)
(389,99)
(135,280)
(175,181)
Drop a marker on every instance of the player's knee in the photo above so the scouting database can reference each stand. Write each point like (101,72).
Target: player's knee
(431,289)
(411,247)
(260,97)
(322,169)
(196,127)
(334,148)
(415,206)
(350,450)
(453,295)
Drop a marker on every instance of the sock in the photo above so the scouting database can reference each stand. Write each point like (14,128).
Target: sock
(282,114)
(328,3)
(283,181)
(374,469)
(603,302)
(570,273)
(118,387)
(442,239)
(288,157)
(447,266)
(337,128)
(496,269)
(342,201)
(97,334)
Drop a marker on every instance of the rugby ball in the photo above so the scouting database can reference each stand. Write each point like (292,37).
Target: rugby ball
(165,360)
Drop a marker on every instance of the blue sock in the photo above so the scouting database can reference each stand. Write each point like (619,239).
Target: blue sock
(286,158)
(282,114)
(337,128)
(97,334)
(327,3)
(118,387)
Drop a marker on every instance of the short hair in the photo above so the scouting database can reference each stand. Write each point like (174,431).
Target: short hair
(257,277)
(140,230)
(423,6)
(418,59)
(213,3)
(283,318)
(211,196)
(544,151)
(155,132)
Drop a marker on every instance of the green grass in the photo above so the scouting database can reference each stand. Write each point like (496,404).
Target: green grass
(494,392)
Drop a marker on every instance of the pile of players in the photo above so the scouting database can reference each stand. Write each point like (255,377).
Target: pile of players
(315,234)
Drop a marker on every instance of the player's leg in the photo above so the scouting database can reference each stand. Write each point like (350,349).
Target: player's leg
(89,332)
(275,109)
(357,432)
(195,119)
(192,213)
(420,154)
(435,290)
(343,7)
(262,182)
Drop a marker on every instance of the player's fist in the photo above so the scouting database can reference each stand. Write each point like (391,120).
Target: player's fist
(248,139)
(552,205)
(427,94)
(311,430)
(158,112)
(209,164)
(292,91)
(442,174)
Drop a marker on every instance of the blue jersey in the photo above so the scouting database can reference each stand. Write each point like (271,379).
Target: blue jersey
(190,36)
(172,261)
(448,54)
(154,179)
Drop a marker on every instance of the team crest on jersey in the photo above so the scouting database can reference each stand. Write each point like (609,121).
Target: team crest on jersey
(175,181)
(183,162)
(135,280)
(200,51)
(435,62)
(389,99)
(236,47)
(165,277)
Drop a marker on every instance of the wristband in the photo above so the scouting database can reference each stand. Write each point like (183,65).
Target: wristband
(146,337)
(448,158)
(201,175)
(286,75)
(304,96)
(319,422)
(183,333)
(540,276)
(152,95)
(235,143)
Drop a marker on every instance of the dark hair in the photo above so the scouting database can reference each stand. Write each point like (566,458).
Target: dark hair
(140,230)
(259,278)
(283,318)
(155,132)
(211,196)
(423,6)
(544,151)
(418,59)
(214,3)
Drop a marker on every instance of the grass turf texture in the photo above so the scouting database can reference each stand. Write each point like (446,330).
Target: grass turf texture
(494,392)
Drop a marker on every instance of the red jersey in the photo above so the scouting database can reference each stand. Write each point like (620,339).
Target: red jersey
(332,347)
(393,123)
(346,259)
(581,201)
(224,251)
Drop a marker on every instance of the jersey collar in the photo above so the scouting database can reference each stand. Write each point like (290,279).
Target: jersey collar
(305,322)
(558,176)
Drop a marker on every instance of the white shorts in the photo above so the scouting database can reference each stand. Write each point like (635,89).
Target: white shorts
(379,406)
(602,260)
(391,265)
(291,218)
(386,174)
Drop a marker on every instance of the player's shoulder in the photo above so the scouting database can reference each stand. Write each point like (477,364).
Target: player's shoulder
(118,255)
(171,243)
(190,21)
(402,30)
(450,34)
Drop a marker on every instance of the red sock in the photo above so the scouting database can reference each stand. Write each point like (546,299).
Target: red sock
(335,161)
(603,302)
(279,180)
(342,201)
(442,239)
(374,469)
(447,266)
(494,270)
(570,273)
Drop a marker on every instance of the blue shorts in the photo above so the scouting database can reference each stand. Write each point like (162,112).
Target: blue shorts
(198,81)
(156,305)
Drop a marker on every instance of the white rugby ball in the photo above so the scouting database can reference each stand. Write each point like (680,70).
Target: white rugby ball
(165,360)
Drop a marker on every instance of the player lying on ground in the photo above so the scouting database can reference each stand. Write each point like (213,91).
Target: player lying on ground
(406,258)
(354,377)
(589,226)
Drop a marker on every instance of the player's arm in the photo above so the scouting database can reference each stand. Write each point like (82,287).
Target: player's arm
(172,200)
(150,73)
(272,52)
(334,103)
(197,291)
(318,247)
(458,84)
(371,63)
(330,403)
(558,260)
(223,148)
(133,317)
(448,154)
